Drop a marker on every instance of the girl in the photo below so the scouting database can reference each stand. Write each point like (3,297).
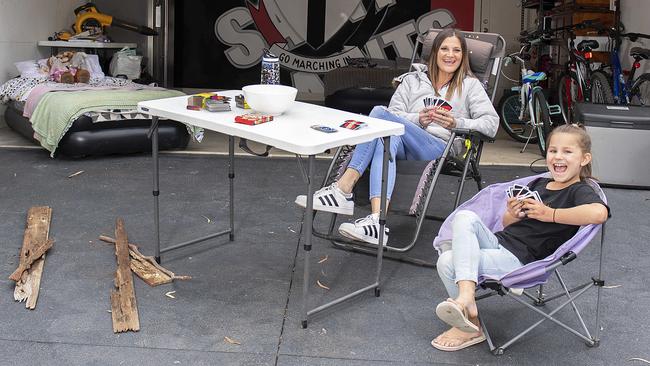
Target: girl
(426,129)
(532,231)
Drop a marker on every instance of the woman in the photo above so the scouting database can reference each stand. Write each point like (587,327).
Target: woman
(426,130)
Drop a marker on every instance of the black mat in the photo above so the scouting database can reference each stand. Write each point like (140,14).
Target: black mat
(250,289)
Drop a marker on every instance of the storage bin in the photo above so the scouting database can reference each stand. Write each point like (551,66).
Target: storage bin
(620,137)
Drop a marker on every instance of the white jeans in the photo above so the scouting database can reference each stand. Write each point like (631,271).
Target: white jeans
(475,250)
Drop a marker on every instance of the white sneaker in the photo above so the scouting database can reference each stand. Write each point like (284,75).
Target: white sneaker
(364,229)
(330,199)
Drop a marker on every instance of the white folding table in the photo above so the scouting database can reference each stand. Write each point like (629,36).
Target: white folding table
(290,132)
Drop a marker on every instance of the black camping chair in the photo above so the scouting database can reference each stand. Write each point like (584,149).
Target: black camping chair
(485,53)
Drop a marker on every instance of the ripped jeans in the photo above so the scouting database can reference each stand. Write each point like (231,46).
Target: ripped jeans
(415,144)
(475,251)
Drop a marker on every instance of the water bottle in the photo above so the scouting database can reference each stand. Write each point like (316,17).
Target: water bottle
(270,68)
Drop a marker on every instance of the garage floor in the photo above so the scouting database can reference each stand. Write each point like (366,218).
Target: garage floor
(250,290)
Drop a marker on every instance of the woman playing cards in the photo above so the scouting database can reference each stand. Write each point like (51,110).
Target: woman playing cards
(429,102)
(535,225)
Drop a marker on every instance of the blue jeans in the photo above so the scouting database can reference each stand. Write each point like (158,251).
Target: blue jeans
(475,250)
(415,144)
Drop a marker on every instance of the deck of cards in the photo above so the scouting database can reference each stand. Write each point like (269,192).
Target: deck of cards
(211,102)
(253,119)
(522,192)
(437,103)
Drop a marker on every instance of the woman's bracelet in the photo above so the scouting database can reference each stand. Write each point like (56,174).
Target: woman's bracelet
(555,209)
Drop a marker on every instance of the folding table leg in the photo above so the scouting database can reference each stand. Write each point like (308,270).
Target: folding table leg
(231,179)
(309,230)
(153,135)
(310,217)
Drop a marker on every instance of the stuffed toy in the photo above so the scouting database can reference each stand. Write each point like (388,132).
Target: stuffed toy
(68,67)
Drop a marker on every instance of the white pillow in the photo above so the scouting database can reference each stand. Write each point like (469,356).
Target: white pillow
(29,69)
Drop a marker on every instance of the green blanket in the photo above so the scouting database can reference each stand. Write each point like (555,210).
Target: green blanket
(56,111)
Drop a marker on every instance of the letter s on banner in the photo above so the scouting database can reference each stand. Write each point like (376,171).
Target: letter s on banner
(247,45)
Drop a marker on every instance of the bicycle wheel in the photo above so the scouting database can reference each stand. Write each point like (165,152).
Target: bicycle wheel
(567,96)
(509,109)
(542,119)
(639,93)
(601,91)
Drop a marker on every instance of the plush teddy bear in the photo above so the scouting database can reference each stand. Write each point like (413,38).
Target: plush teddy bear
(68,67)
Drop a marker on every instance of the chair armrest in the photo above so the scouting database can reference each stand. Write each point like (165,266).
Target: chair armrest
(472,133)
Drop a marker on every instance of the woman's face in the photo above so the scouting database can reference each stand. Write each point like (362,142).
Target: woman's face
(450,55)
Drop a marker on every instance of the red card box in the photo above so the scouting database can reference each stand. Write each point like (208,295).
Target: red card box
(253,119)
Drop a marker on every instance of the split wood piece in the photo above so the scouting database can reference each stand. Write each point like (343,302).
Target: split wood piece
(124,309)
(36,232)
(29,254)
(146,267)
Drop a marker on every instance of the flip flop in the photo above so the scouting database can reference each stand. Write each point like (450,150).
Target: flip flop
(452,314)
(467,343)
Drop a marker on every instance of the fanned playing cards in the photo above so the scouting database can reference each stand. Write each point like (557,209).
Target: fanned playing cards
(437,103)
(522,192)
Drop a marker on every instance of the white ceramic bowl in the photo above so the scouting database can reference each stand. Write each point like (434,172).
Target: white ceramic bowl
(269,99)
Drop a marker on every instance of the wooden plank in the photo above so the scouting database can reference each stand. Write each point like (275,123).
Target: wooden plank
(34,281)
(123,304)
(37,230)
(146,267)
(28,255)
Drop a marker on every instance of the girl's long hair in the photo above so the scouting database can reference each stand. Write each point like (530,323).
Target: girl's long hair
(584,142)
(456,82)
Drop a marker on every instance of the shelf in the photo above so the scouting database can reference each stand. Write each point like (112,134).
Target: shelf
(534,4)
(86,44)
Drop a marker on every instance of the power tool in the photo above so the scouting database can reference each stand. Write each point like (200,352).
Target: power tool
(89,19)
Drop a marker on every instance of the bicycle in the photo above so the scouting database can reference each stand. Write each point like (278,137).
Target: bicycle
(579,83)
(525,114)
(621,90)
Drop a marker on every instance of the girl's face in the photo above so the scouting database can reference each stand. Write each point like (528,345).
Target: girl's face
(450,55)
(565,158)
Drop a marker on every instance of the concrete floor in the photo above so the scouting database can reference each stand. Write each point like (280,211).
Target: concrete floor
(250,290)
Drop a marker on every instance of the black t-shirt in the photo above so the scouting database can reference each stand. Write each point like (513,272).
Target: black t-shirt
(529,239)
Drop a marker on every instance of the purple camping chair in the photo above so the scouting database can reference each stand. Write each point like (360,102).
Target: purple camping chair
(489,205)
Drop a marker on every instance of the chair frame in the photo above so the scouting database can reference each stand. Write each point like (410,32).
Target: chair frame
(539,300)
(465,168)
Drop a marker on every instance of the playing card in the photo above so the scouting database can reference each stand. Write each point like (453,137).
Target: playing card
(525,194)
(353,125)
(518,189)
(445,105)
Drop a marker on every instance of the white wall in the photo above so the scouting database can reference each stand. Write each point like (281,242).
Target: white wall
(25,22)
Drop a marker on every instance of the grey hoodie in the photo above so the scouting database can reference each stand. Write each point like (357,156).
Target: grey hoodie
(472,109)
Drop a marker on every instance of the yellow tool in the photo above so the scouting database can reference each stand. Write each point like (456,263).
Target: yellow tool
(88,18)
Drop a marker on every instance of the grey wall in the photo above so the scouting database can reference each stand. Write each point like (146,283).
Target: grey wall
(133,11)
(634,15)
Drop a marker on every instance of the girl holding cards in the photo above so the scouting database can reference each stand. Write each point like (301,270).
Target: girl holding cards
(461,102)
(533,229)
